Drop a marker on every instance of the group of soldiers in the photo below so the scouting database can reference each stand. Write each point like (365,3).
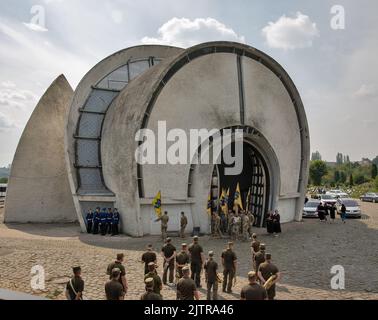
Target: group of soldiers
(236,225)
(105,221)
(182,269)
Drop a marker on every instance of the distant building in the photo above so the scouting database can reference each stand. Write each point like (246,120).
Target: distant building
(77,151)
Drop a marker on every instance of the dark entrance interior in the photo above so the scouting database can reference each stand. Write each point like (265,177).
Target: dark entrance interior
(254,177)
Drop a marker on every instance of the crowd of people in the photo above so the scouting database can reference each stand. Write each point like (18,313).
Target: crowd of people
(105,221)
(326,210)
(182,269)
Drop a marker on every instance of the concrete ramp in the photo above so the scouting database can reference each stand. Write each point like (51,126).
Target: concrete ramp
(38,188)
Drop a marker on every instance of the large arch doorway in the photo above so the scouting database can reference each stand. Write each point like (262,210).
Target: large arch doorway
(254,179)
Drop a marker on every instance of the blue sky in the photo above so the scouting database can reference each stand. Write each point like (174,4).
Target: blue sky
(334,70)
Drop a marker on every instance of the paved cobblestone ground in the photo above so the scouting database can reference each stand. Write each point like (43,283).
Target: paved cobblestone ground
(305,253)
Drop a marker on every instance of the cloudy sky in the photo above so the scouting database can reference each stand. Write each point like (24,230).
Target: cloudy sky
(334,70)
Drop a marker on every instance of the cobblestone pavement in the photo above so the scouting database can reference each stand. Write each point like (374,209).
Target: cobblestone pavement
(305,253)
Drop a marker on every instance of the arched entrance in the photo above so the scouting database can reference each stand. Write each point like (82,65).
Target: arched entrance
(254,181)
(260,174)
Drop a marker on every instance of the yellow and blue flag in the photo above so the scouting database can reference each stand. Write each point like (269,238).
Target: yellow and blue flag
(224,202)
(237,197)
(209,205)
(157,205)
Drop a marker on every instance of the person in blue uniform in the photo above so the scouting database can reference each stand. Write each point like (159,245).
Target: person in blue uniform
(109,221)
(89,221)
(103,221)
(115,225)
(96,220)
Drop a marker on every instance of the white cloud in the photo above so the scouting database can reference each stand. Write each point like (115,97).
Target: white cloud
(366,91)
(291,33)
(5,123)
(183,32)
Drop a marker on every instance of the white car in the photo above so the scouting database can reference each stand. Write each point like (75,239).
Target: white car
(310,209)
(337,193)
(328,198)
(353,209)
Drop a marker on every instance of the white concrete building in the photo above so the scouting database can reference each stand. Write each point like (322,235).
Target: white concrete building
(217,85)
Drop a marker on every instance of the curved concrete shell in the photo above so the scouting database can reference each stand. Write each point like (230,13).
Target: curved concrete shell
(38,189)
(212,85)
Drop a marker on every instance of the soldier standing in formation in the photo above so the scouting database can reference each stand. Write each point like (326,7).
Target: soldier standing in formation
(158,286)
(236,226)
(183,225)
(103,221)
(89,220)
(197,260)
(211,275)
(251,218)
(109,221)
(164,225)
(115,222)
(245,226)
(150,294)
(186,288)
(96,220)
(113,288)
(229,262)
(266,271)
(259,257)
(230,222)
(253,291)
(182,260)
(75,287)
(255,247)
(168,253)
(118,264)
(217,225)
(147,257)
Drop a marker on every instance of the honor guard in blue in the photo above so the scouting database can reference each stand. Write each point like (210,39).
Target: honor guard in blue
(103,221)
(89,220)
(96,220)
(115,225)
(109,221)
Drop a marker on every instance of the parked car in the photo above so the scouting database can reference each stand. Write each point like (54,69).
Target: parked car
(337,193)
(370,197)
(310,209)
(353,209)
(328,198)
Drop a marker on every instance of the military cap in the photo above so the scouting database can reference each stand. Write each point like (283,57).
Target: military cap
(195,238)
(149,282)
(116,272)
(211,253)
(262,246)
(252,274)
(268,256)
(184,245)
(169,239)
(76,269)
(186,268)
(230,243)
(151,264)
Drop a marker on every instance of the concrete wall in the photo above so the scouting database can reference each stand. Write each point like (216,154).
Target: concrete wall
(38,189)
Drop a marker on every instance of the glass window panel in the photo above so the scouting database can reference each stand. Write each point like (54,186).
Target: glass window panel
(137,68)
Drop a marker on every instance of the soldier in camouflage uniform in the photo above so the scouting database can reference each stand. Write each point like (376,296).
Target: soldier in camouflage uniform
(164,225)
(245,226)
(251,218)
(236,227)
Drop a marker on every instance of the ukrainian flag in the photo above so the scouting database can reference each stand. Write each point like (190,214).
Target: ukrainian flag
(157,205)
(224,202)
(237,198)
(209,205)
(248,200)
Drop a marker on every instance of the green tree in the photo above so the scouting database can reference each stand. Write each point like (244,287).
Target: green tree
(374,171)
(3,180)
(376,183)
(360,179)
(343,177)
(351,182)
(336,177)
(375,161)
(318,169)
